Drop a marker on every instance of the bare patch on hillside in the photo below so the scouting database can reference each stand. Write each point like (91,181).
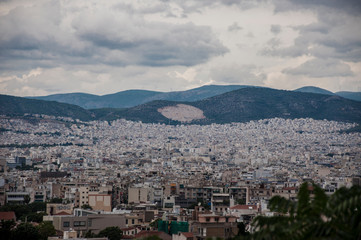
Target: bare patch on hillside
(182,113)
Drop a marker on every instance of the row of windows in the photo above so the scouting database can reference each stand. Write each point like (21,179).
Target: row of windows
(16,196)
(77,223)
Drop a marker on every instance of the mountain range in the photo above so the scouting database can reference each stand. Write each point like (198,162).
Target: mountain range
(132,98)
(240,105)
(345,94)
(18,106)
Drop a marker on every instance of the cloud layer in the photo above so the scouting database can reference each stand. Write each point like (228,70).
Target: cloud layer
(102,47)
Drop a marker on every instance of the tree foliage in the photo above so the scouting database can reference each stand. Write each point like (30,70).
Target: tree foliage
(5,228)
(46,229)
(22,211)
(313,216)
(86,207)
(25,231)
(112,233)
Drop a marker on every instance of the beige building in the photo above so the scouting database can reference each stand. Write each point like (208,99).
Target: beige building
(139,195)
(83,196)
(214,225)
(56,208)
(93,223)
(100,202)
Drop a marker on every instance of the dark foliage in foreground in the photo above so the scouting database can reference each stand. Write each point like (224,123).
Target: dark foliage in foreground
(314,216)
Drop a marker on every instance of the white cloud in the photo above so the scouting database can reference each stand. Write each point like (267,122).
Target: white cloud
(319,68)
(238,74)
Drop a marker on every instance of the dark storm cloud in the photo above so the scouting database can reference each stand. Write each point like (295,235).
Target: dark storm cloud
(341,41)
(41,35)
(156,44)
(349,6)
(191,6)
(336,33)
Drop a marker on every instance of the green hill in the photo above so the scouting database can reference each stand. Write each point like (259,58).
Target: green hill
(131,98)
(17,106)
(311,89)
(350,95)
(256,103)
(240,105)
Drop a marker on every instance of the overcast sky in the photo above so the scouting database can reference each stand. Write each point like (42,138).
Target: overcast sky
(102,47)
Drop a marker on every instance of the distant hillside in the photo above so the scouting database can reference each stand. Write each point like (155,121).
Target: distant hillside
(310,89)
(83,100)
(197,94)
(131,98)
(240,105)
(350,95)
(17,106)
(256,103)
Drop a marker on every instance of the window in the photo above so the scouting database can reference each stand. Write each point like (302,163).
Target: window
(132,221)
(89,222)
(66,224)
(79,223)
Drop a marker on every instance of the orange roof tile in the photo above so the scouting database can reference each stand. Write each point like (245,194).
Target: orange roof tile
(7,216)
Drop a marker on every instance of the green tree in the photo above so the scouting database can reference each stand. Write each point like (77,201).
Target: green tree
(25,231)
(112,233)
(26,199)
(87,207)
(56,200)
(242,229)
(154,224)
(5,229)
(46,229)
(33,217)
(89,234)
(30,210)
(313,216)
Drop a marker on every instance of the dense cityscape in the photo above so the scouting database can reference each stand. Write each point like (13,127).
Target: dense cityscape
(192,181)
(180,120)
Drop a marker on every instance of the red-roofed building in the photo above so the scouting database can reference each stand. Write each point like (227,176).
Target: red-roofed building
(62,213)
(7,216)
(245,212)
(244,207)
